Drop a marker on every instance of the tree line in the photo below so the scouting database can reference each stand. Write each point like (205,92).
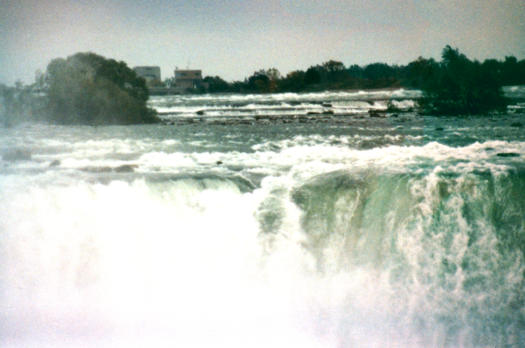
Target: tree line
(454,85)
(334,75)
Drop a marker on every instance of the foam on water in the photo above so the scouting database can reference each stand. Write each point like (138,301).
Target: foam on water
(197,262)
(286,97)
(136,264)
(340,103)
(374,234)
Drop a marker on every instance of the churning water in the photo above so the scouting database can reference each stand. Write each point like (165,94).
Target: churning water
(266,221)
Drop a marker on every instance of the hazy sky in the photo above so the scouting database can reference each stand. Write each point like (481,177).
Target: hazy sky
(232,39)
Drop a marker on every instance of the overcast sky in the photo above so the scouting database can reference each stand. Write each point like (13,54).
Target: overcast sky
(234,38)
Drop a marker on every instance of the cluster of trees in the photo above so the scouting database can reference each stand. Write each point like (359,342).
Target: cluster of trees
(458,85)
(89,89)
(83,89)
(455,85)
(334,75)
(331,75)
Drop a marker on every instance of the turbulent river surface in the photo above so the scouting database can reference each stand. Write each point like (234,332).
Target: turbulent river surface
(290,220)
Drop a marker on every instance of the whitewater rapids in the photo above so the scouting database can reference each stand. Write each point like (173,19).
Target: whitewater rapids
(403,231)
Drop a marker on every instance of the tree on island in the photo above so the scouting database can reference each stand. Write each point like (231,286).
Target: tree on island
(89,89)
(458,85)
(263,81)
(216,84)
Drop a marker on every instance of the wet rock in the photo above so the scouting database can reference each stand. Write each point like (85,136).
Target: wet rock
(376,113)
(200,112)
(508,154)
(54,163)
(439,129)
(245,122)
(96,169)
(303,119)
(126,168)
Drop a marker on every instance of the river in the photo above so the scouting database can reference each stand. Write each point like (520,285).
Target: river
(284,220)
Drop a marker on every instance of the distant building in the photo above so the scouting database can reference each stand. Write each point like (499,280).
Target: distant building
(187,79)
(149,73)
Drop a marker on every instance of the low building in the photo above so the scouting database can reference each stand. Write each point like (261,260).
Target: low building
(149,73)
(187,79)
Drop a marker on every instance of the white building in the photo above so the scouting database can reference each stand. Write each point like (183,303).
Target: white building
(187,79)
